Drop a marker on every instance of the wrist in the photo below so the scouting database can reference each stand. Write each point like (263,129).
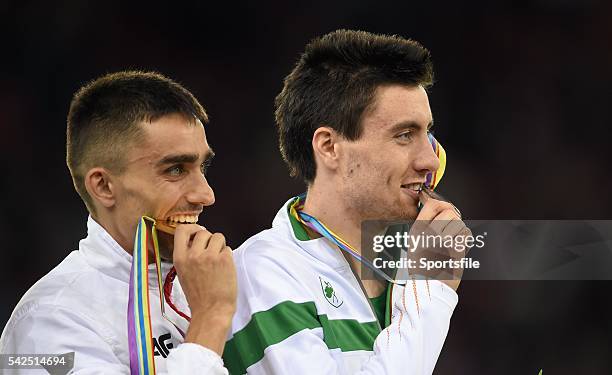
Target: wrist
(209,330)
(213,317)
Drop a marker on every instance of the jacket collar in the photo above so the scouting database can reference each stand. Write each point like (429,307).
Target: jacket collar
(319,248)
(103,253)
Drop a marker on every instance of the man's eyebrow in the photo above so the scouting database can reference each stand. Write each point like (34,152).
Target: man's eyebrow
(185,158)
(404,125)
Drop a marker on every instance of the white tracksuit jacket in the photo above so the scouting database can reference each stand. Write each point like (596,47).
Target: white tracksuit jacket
(81,306)
(301,311)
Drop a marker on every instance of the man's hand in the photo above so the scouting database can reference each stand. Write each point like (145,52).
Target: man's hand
(441,219)
(206,271)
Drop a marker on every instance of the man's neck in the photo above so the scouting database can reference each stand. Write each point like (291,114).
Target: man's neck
(328,206)
(330,210)
(126,242)
(111,227)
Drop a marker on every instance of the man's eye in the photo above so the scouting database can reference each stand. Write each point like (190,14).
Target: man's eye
(175,170)
(405,136)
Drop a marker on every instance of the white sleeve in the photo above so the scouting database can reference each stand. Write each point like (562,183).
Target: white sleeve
(50,329)
(57,330)
(420,320)
(191,358)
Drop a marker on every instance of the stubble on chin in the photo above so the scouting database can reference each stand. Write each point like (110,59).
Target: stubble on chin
(400,213)
(369,203)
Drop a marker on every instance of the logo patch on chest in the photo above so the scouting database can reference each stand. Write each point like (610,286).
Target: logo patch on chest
(330,294)
(162,345)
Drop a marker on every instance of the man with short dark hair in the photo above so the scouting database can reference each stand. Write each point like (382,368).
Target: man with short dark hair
(136,146)
(353,120)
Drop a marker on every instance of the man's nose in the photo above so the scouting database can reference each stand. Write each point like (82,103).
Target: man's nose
(426,160)
(201,193)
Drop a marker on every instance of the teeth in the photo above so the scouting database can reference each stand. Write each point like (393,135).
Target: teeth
(415,187)
(191,219)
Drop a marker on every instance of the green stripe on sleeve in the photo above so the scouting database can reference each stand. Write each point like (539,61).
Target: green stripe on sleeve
(286,319)
(349,334)
(267,328)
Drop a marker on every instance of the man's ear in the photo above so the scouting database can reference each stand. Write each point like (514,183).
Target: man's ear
(100,186)
(325,146)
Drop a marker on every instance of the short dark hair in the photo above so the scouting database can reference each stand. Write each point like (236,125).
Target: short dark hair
(105,113)
(333,84)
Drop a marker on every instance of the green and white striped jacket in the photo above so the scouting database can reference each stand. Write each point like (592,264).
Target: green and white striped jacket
(301,310)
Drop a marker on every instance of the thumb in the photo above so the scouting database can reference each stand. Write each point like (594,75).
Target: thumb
(428,194)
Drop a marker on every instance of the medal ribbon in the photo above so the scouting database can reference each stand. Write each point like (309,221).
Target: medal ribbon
(140,338)
(432,179)
(139,311)
(320,228)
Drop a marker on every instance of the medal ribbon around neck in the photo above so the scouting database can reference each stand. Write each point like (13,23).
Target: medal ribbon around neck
(431,181)
(320,228)
(140,338)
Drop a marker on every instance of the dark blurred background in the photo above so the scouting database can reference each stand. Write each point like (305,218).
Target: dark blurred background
(521,103)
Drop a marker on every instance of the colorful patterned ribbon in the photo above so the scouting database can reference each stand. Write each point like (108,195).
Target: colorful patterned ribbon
(142,360)
(140,338)
(432,179)
(318,227)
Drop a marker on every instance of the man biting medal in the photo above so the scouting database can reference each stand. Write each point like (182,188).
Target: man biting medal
(137,152)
